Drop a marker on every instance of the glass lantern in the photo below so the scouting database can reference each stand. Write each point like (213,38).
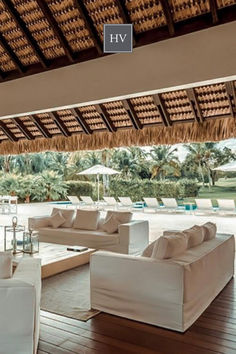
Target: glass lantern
(30,242)
(13,237)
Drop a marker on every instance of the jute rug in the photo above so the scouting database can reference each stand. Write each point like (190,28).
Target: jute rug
(68,294)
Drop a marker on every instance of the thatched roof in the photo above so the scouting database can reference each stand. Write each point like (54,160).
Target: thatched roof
(39,35)
(195,114)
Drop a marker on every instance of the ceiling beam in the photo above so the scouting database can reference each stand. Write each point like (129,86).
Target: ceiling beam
(105,117)
(195,105)
(56,29)
(162,109)
(230,90)
(169,19)
(79,4)
(125,16)
(14,58)
(7,132)
(43,130)
(26,32)
(214,11)
(59,123)
(81,121)
(132,114)
(20,125)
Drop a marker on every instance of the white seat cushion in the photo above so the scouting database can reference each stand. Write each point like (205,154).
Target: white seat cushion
(86,219)
(5,265)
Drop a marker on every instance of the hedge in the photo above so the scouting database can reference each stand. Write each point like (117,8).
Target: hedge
(80,188)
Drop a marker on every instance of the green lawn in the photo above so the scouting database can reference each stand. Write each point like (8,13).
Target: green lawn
(224,189)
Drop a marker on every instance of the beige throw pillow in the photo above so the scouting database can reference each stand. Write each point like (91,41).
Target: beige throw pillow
(86,219)
(170,246)
(56,220)
(195,236)
(111,225)
(67,214)
(5,265)
(148,250)
(123,216)
(209,229)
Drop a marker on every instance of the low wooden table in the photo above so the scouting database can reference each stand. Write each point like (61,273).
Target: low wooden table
(56,259)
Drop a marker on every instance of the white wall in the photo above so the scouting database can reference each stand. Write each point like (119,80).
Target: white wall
(199,56)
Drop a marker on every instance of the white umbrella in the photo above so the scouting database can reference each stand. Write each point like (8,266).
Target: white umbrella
(228,167)
(99,170)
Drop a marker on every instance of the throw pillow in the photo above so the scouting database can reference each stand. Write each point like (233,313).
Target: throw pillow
(195,236)
(86,219)
(148,250)
(5,265)
(111,225)
(56,220)
(209,229)
(169,246)
(123,216)
(67,214)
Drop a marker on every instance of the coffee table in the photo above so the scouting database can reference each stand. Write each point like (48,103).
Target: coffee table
(55,258)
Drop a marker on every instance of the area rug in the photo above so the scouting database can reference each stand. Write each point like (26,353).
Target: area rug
(68,294)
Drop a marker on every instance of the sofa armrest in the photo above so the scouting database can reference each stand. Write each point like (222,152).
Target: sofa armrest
(36,222)
(125,277)
(135,234)
(19,308)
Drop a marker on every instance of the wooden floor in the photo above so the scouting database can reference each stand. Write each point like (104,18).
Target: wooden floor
(213,332)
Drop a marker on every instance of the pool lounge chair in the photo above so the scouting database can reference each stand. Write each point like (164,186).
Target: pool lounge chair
(111,203)
(151,204)
(87,202)
(226,206)
(126,203)
(204,206)
(170,204)
(74,200)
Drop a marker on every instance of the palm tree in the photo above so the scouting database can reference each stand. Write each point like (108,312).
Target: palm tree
(126,163)
(164,161)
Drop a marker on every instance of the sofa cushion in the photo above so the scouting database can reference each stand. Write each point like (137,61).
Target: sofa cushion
(170,246)
(111,225)
(123,216)
(5,265)
(148,250)
(209,231)
(86,219)
(68,214)
(195,236)
(56,220)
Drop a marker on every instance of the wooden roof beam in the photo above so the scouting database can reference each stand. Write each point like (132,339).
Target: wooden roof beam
(214,11)
(7,132)
(125,15)
(56,29)
(19,66)
(20,125)
(105,117)
(43,130)
(162,109)
(132,114)
(230,90)
(169,19)
(59,123)
(79,4)
(21,24)
(197,112)
(81,121)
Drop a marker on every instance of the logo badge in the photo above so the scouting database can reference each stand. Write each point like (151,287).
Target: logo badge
(118,38)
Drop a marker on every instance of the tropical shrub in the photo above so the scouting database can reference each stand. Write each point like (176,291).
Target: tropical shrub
(79,188)
(188,188)
(9,184)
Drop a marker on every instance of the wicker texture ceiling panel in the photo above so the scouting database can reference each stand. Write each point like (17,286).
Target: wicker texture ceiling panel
(118,114)
(225,3)
(184,9)
(213,100)
(146,110)
(6,64)
(178,105)
(145,14)
(29,124)
(69,120)
(48,123)
(92,117)
(71,23)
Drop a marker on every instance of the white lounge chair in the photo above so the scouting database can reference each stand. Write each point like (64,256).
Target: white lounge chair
(88,202)
(204,206)
(74,200)
(126,202)
(226,206)
(110,202)
(170,204)
(152,204)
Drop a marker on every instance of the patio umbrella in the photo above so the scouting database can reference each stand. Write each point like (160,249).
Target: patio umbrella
(228,167)
(99,170)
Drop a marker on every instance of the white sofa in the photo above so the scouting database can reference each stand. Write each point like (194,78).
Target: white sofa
(170,293)
(19,309)
(131,237)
